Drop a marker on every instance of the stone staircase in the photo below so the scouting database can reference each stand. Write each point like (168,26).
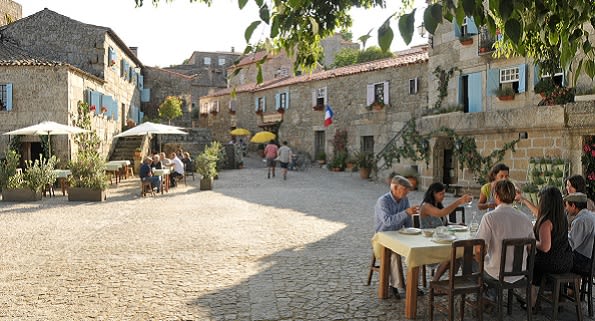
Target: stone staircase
(125,146)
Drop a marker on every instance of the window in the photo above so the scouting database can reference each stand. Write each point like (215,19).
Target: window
(204,108)
(319,98)
(207,61)
(6,97)
(413,86)
(367,143)
(282,100)
(222,61)
(260,104)
(464,27)
(377,93)
(509,75)
(281,72)
(558,78)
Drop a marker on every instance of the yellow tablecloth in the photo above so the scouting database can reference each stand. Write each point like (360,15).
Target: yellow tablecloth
(416,249)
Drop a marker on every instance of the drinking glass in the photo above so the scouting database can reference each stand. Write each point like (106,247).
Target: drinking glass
(470,203)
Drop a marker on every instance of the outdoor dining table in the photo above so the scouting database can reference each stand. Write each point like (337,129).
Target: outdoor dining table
(62,176)
(164,175)
(124,171)
(417,250)
(113,169)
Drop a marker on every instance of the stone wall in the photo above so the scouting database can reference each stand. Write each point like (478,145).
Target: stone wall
(194,142)
(165,83)
(332,45)
(10,11)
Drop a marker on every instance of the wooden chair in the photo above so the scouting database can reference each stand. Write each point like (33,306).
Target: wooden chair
(587,284)
(518,247)
(146,187)
(189,170)
(376,268)
(560,281)
(467,282)
(452,217)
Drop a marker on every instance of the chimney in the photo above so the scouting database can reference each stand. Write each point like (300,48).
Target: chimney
(233,49)
(134,50)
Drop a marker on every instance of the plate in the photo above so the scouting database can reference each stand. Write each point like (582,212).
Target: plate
(457,228)
(444,239)
(410,231)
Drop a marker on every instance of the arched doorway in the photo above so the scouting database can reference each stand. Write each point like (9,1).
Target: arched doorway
(445,164)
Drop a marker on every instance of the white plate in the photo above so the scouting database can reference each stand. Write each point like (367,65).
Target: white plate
(410,231)
(457,228)
(444,239)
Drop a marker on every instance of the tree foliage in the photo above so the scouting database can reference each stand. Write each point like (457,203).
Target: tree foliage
(170,108)
(552,32)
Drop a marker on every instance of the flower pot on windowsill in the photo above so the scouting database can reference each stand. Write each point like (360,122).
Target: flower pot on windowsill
(281,110)
(318,108)
(232,112)
(466,41)
(258,112)
(506,98)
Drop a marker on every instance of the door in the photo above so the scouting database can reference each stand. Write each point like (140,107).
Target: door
(319,142)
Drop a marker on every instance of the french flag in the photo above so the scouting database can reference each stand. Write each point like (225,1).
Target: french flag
(328,116)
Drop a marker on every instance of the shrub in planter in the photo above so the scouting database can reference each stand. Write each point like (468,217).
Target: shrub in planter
(37,175)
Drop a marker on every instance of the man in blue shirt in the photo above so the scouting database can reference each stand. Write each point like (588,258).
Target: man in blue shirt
(146,173)
(393,212)
(582,232)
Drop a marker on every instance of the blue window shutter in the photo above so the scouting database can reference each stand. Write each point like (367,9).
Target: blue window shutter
(256,104)
(145,95)
(141,115)
(493,81)
(277,101)
(264,104)
(115,109)
(287,99)
(122,66)
(536,76)
(140,81)
(96,100)
(474,84)
(9,96)
(471,27)
(522,78)
(456,28)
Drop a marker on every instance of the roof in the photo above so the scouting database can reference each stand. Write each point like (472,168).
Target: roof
(410,57)
(172,72)
(107,30)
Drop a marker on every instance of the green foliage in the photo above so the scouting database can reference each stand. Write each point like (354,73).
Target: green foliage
(551,32)
(321,156)
(373,53)
(558,96)
(351,56)
(588,162)
(170,108)
(443,77)
(340,141)
(37,174)
(88,169)
(504,91)
(339,160)
(9,167)
(364,159)
(206,162)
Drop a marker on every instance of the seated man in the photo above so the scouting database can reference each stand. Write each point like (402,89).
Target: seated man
(504,222)
(582,231)
(146,173)
(178,169)
(156,164)
(392,212)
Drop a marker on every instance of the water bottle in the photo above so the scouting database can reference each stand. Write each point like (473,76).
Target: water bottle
(474,225)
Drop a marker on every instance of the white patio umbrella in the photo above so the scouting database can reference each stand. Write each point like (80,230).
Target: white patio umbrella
(48,128)
(151,128)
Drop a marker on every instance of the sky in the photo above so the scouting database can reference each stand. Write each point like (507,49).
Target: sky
(168,34)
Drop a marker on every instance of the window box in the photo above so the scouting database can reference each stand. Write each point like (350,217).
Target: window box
(505,93)
(465,41)
(318,107)
(258,112)
(281,110)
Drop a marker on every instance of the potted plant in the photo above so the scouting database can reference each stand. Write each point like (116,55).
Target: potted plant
(206,167)
(28,185)
(466,40)
(365,162)
(544,86)
(531,190)
(338,162)
(505,93)
(321,158)
(88,181)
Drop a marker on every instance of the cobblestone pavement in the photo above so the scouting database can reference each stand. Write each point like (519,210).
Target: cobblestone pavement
(251,249)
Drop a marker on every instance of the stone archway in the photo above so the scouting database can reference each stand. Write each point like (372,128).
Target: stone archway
(445,164)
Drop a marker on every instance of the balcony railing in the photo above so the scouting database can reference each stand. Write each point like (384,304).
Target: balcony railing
(486,42)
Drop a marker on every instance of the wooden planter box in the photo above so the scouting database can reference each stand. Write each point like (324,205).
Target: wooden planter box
(20,195)
(584,97)
(206,184)
(505,98)
(364,173)
(86,194)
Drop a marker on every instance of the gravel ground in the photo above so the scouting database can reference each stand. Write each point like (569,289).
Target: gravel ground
(251,249)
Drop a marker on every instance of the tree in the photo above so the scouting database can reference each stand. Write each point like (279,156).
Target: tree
(346,57)
(552,32)
(170,108)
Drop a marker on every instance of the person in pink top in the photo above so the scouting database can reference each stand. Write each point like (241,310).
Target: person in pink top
(270,153)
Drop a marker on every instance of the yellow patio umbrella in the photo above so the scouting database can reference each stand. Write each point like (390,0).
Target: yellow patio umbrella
(240,132)
(262,137)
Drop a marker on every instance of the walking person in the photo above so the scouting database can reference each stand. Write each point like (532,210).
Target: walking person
(270,153)
(284,155)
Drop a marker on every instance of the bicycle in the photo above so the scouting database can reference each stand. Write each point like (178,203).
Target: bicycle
(300,162)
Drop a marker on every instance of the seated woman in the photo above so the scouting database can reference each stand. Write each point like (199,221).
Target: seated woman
(432,211)
(486,195)
(554,254)
(156,164)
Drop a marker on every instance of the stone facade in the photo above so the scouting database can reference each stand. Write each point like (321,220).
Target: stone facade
(332,45)
(10,11)
(163,83)
(346,92)
(64,61)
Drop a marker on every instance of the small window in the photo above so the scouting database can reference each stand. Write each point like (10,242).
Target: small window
(320,94)
(558,78)
(207,61)
(413,86)
(222,61)
(283,100)
(3,97)
(379,93)
(367,143)
(464,27)
(261,103)
(509,75)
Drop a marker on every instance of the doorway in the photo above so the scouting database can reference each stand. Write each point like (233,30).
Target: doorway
(319,142)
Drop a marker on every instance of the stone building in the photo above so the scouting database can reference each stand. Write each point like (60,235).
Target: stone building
(10,11)
(332,45)
(199,75)
(293,107)
(51,62)
(545,131)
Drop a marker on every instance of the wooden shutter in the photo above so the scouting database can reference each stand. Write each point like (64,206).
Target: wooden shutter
(456,28)
(287,99)
(474,86)
(369,94)
(256,104)
(522,78)
(471,26)
(264,104)
(277,101)
(314,94)
(493,81)
(386,95)
(8,96)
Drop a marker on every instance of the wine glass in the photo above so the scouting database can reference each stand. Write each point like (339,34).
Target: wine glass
(470,203)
